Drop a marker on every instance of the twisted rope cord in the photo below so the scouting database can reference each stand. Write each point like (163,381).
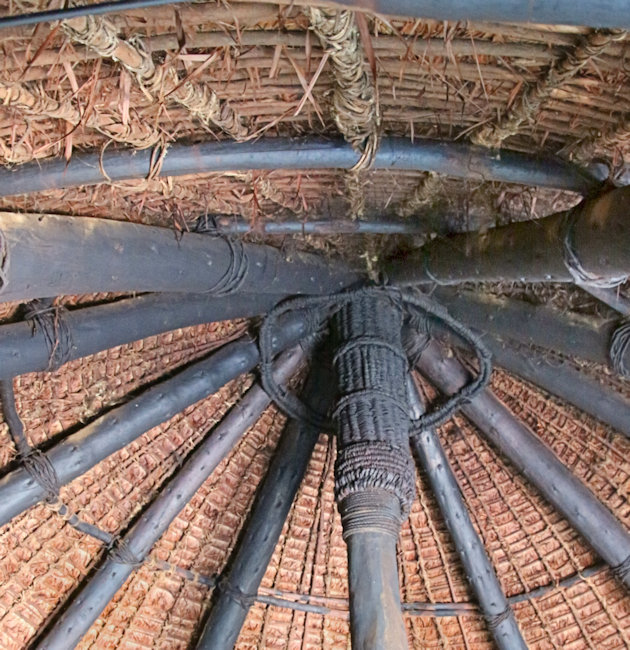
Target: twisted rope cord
(494,620)
(101,36)
(620,349)
(236,272)
(421,308)
(355,98)
(622,571)
(531,102)
(572,261)
(49,319)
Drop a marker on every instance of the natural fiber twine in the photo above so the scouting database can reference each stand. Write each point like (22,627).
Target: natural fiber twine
(528,105)
(101,36)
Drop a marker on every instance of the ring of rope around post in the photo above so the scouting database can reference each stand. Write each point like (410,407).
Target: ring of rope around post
(419,308)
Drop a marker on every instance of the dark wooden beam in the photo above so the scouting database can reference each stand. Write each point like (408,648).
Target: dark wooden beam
(80,451)
(86,606)
(564,381)
(238,589)
(597,525)
(374,472)
(592,241)
(46,255)
(26,346)
(573,335)
(479,570)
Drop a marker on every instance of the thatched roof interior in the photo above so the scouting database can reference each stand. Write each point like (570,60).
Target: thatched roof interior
(444,80)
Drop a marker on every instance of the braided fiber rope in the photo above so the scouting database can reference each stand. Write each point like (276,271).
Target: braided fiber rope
(531,102)
(620,349)
(100,35)
(49,319)
(419,308)
(355,97)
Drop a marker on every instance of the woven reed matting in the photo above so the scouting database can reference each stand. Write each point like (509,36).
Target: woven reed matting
(42,559)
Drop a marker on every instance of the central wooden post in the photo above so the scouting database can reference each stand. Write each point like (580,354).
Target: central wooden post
(374,473)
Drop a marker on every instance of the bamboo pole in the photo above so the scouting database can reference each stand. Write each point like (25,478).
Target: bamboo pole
(54,255)
(573,335)
(80,451)
(590,244)
(25,347)
(238,589)
(477,565)
(597,525)
(455,159)
(85,608)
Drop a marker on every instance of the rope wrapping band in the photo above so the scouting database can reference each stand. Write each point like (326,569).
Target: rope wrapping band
(494,620)
(236,272)
(43,473)
(236,594)
(622,571)
(49,319)
(121,553)
(418,307)
(620,349)
(572,262)
(375,466)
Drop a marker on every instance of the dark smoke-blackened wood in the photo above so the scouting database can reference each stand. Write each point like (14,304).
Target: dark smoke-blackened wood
(82,450)
(267,517)
(597,525)
(530,251)
(51,255)
(374,472)
(570,334)
(479,570)
(566,382)
(86,607)
(23,347)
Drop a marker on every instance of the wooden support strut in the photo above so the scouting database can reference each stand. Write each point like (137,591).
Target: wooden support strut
(26,346)
(573,335)
(80,451)
(374,473)
(238,589)
(54,255)
(597,525)
(118,565)
(479,570)
(587,245)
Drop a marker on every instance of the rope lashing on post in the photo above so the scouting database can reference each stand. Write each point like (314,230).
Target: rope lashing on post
(236,272)
(620,348)
(572,261)
(419,309)
(50,320)
(495,620)
(622,570)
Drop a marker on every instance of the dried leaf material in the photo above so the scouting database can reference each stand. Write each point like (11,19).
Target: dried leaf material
(426,194)
(354,99)
(101,36)
(526,108)
(616,137)
(34,101)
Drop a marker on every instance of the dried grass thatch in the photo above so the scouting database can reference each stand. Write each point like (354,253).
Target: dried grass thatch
(246,70)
